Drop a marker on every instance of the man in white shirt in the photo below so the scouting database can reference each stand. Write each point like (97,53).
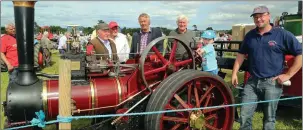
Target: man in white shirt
(62,43)
(120,41)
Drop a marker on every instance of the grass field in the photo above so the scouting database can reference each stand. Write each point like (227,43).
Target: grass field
(287,118)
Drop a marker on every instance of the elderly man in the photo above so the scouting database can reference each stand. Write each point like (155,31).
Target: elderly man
(144,36)
(46,47)
(183,33)
(9,53)
(120,40)
(102,44)
(266,48)
(63,42)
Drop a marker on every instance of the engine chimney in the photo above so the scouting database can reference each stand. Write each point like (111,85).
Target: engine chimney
(24,20)
(300,7)
(23,96)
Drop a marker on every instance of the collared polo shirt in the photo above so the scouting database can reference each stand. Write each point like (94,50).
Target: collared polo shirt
(9,48)
(266,53)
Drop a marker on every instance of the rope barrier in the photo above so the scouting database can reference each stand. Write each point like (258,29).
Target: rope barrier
(40,121)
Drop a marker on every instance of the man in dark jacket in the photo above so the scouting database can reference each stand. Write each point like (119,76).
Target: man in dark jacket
(143,37)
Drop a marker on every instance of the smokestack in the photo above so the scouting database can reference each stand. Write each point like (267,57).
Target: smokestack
(24,21)
(300,7)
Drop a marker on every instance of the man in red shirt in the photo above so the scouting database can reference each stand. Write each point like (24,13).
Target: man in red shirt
(9,53)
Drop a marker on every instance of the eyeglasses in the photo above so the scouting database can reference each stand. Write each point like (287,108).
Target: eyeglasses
(260,16)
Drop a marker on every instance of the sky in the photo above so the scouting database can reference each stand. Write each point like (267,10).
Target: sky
(217,14)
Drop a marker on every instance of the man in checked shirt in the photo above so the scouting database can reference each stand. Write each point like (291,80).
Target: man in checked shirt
(143,37)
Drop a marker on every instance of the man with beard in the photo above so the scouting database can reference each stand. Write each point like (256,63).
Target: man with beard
(266,47)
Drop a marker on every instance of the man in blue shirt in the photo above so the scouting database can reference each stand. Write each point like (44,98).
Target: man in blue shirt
(266,47)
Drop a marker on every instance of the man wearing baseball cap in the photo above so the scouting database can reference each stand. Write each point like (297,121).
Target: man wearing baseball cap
(266,47)
(120,41)
(102,44)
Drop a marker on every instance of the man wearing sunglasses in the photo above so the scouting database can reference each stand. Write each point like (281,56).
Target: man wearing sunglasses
(266,47)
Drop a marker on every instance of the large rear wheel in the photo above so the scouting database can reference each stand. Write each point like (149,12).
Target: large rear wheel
(191,89)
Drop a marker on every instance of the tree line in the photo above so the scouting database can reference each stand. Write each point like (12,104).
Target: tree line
(88,30)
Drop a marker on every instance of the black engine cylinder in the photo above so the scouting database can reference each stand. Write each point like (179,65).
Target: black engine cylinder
(24,19)
(22,102)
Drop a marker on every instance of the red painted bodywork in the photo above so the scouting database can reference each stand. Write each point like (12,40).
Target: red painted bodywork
(105,89)
(296,81)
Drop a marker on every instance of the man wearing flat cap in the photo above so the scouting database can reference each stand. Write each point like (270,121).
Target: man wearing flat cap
(266,47)
(102,44)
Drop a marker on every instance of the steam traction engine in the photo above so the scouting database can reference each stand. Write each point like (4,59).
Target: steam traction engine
(150,82)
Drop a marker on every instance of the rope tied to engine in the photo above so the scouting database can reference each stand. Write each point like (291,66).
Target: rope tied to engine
(40,120)
(41,123)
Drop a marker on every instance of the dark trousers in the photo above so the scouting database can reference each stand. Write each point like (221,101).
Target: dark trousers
(13,75)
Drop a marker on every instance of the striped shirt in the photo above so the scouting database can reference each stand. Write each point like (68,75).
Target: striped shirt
(143,41)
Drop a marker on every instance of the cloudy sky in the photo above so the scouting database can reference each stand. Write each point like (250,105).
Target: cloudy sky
(219,15)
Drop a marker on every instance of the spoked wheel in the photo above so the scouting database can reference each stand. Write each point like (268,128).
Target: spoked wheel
(162,66)
(191,89)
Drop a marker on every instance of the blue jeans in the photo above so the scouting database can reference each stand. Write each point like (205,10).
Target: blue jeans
(260,89)
(214,72)
(13,75)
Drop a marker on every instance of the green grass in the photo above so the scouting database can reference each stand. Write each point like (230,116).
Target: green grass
(287,118)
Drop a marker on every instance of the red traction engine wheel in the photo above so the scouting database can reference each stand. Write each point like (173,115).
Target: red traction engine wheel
(166,64)
(191,89)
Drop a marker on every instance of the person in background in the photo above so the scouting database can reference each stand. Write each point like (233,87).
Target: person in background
(46,47)
(9,52)
(221,37)
(93,35)
(209,61)
(129,39)
(63,42)
(36,51)
(120,41)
